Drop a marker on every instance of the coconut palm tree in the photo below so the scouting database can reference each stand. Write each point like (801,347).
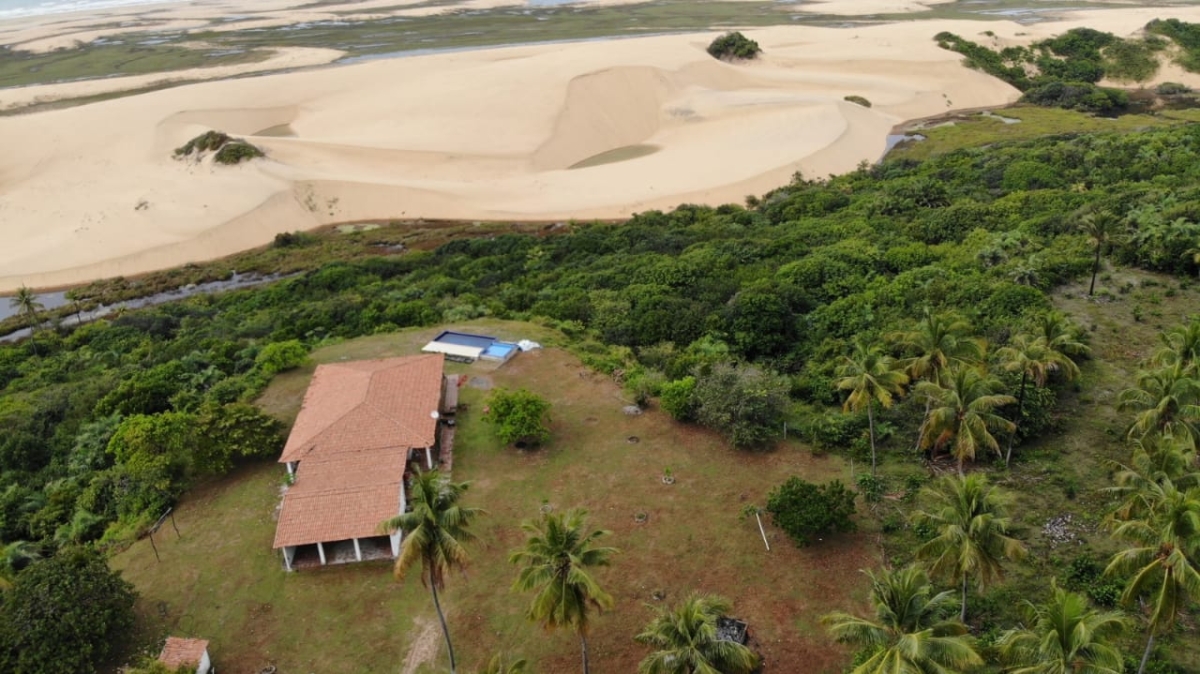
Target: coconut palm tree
(1059,334)
(1101,228)
(687,641)
(1155,459)
(1036,361)
(970,517)
(1167,401)
(913,630)
(555,566)
(870,378)
(434,527)
(1066,636)
(1181,345)
(499,664)
(936,343)
(962,414)
(26,302)
(1163,553)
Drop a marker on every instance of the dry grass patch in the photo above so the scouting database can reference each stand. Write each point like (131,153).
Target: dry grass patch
(222,581)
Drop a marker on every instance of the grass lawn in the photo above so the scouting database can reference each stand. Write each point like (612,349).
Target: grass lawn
(974,129)
(221,580)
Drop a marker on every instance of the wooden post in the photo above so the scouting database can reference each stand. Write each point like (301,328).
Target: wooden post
(761,530)
(152,545)
(173,525)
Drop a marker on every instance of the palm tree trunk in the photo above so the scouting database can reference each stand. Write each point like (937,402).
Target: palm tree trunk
(924,423)
(583,641)
(445,630)
(871,426)
(1146,655)
(962,616)
(1020,405)
(1095,270)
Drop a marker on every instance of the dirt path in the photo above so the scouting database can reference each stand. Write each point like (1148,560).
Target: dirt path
(424,646)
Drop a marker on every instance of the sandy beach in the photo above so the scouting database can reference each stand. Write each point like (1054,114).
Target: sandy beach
(94,191)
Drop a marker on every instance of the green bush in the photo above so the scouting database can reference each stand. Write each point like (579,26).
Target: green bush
(1172,89)
(733,46)
(808,511)
(1082,96)
(278,357)
(744,403)
(237,151)
(520,417)
(678,398)
(858,100)
(206,142)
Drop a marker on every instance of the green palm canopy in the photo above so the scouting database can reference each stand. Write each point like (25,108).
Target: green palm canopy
(1066,636)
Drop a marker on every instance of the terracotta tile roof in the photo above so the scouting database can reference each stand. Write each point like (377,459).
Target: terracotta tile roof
(179,652)
(352,456)
(366,405)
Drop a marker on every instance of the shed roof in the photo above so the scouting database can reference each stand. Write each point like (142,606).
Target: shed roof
(179,652)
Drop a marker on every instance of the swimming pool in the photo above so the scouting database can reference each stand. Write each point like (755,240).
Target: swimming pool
(499,351)
(465,339)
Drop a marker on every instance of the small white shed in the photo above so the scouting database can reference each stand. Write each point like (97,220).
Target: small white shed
(178,653)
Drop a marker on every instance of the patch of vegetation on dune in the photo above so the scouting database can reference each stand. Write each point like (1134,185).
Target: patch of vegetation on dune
(224,149)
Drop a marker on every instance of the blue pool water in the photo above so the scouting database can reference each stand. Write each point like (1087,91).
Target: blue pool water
(499,350)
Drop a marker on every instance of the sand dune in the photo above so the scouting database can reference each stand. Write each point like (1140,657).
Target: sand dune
(93,191)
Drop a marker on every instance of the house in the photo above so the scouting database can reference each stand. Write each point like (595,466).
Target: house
(178,653)
(363,428)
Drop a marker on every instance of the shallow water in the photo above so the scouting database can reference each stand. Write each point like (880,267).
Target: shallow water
(57,300)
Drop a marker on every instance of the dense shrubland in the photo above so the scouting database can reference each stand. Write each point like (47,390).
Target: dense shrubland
(1063,71)
(227,150)
(939,270)
(732,46)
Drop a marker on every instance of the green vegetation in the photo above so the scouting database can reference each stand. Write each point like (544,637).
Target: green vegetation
(913,630)
(435,528)
(1185,35)
(99,60)
(968,272)
(71,599)
(807,511)
(859,100)
(733,46)
(687,641)
(519,417)
(556,563)
(227,150)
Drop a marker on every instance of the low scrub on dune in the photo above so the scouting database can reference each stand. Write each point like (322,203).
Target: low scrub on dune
(229,151)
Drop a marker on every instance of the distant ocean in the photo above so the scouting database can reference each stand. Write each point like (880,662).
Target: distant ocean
(10,9)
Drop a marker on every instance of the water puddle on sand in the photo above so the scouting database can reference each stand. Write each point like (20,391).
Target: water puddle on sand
(616,155)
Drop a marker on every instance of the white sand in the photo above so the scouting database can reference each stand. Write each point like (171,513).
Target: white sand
(484,134)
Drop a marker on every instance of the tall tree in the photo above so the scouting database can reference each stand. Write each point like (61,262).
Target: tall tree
(1155,459)
(870,377)
(1167,401)
(687,641)
(970,517)
(962,414)
(1164,549)
(1066,636)
(1036,361)
(912,631)
(26,302)
(556,564)
(14,557)
(1101,228)
(434,529)
(933,345)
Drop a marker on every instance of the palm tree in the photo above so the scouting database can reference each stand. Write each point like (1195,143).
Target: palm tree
(555,566)
(26,302)
(1101,229)
(1156,458)
(1167,401)
(870,377)
(1181,345)
(434,528)
(1067,637)
(1165,543)
(687,641)
(499,664)
(1059,334)
(14,557)
(936,343)
(962,415)
(912,632)
(972,540)
(1035,360)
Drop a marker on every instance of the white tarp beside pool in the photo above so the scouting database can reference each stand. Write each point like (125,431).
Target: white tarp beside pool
(454,350)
